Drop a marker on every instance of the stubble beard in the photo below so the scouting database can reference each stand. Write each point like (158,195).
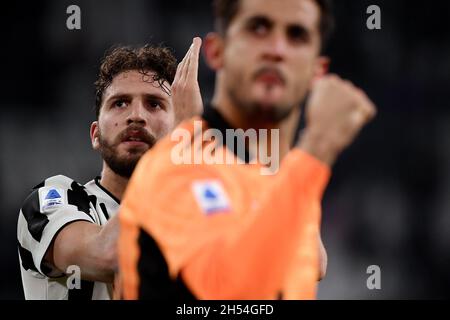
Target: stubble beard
(257,111)
(122,166)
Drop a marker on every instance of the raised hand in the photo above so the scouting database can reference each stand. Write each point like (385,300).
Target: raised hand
(186,96)
(335,114)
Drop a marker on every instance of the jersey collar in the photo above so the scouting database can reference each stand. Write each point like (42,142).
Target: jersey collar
(215,120)
(97,182)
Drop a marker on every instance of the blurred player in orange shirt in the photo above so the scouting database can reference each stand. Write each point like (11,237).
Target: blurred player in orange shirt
(207,229)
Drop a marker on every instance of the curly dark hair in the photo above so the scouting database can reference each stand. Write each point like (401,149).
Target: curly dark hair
(157,59)
(226,10)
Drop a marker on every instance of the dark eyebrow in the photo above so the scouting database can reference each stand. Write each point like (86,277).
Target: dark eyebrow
(259,19)
(152,96)
(119,96)
(125,96)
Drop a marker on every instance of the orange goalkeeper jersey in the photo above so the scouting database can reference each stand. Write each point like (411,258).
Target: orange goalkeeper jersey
(220,231)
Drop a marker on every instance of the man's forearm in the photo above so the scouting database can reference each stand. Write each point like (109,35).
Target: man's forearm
(90,247)
(321,148)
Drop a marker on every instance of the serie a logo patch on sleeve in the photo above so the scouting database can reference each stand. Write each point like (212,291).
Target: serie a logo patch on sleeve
(50,198)
(211,196)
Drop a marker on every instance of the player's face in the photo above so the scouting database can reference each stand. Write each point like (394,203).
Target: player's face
(135,113)
(271,54)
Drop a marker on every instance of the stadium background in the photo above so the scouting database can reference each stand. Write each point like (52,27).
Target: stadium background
(388,203)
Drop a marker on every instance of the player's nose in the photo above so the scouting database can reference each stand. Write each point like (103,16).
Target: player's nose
(276,47)
(137,113)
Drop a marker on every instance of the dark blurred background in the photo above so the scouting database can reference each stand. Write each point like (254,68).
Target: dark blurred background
(388,203)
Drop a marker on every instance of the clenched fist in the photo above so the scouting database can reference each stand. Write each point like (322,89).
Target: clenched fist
(335,114)
(186,97)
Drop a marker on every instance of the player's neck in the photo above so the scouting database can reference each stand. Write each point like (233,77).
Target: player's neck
(113,182)
(287,128)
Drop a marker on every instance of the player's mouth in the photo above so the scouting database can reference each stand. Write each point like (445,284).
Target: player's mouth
(135,143)
(137,137)
(270,77)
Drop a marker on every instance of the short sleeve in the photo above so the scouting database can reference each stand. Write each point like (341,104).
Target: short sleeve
(50,207)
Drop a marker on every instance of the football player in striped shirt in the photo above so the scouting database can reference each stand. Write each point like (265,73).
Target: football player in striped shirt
(66,229)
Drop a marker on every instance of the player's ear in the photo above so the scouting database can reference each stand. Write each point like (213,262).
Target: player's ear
(321,67)
(95,135)
(213,50)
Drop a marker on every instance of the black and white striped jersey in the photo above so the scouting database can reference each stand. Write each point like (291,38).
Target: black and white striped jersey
(51,206)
